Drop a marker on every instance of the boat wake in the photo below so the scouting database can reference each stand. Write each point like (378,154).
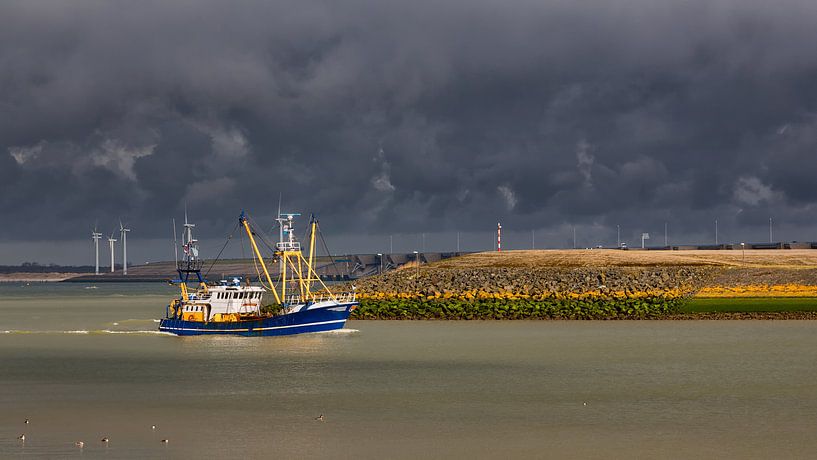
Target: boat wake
(132,321)
(87,332)
(106,331)
(343,331)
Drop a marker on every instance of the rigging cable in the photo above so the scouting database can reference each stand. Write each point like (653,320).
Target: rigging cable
(222,250)
(250,222)
(331,257)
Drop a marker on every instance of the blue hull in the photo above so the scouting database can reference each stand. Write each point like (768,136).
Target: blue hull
(316,320)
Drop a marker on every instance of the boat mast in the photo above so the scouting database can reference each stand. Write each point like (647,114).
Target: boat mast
(309,265)
(191,263)
(288,249)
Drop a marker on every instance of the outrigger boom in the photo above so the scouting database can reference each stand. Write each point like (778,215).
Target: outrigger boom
(288,251)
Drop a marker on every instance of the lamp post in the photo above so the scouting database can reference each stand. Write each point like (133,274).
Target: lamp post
(716,232)
(380,258)
(771,240)
(743,252)
(417,260)
(666,236)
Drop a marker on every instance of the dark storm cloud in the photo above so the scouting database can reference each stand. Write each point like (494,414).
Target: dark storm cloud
(540,114)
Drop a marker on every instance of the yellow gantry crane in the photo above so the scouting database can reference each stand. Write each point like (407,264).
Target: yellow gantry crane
(291,258)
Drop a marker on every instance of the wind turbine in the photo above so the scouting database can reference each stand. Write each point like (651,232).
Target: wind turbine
(96,236)
(124,232)
(111,241)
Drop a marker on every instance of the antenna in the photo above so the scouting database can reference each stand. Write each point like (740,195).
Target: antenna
(175,244)
(96,236)
(187,237)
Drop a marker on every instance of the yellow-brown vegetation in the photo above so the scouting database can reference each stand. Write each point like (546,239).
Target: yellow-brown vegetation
(782,258)
(758,290)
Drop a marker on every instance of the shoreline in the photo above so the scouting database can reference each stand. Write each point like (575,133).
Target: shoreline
(36,277)
(580,285)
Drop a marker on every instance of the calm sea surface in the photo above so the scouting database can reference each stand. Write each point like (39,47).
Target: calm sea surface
(82,364)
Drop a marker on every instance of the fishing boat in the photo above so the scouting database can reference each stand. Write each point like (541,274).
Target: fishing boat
(301,302)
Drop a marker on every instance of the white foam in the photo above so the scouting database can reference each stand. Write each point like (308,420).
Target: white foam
(107,331)
(84,332)
(340,331)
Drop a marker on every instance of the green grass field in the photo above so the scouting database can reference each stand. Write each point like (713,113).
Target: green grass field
(750,305)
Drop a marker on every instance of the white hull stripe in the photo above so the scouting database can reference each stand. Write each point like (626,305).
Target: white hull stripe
(255,329)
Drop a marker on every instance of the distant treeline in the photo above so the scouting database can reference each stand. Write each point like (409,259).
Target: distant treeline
(34,267)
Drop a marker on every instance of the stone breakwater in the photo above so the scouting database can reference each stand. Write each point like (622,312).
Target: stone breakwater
(529,293)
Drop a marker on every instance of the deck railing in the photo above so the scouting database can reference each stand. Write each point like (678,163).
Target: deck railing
(341,297)
(288,246)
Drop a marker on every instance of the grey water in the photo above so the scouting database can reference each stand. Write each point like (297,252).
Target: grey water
(83,364)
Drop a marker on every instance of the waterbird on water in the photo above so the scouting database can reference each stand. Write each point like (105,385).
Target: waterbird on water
(79,444)
(319,418)
(153,427)
(165,441)
(105,440)
(22,437)
(26,422)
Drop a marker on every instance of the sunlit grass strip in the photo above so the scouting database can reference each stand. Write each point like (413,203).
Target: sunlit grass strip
(492,308)
(749,304)
(758,290)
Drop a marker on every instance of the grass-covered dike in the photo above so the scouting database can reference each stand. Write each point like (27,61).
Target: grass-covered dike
(598,285)
(749,305)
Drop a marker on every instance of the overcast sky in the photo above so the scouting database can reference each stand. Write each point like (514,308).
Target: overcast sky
(406,117)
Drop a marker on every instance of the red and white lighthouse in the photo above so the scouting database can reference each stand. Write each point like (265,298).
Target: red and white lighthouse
(499,237)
